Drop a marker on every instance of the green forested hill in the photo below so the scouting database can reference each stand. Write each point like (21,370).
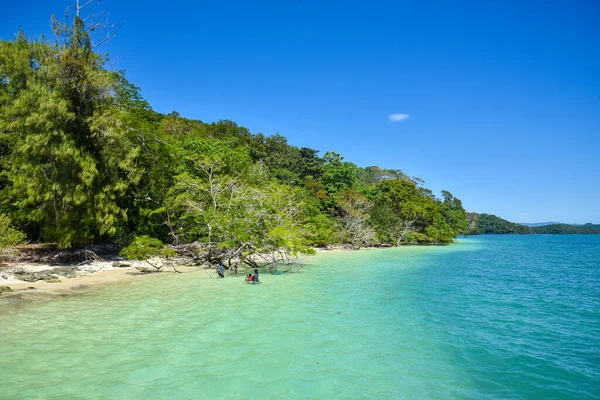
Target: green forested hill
(491,224)
(488,223)
(591,226)
(565,228)
(84,159)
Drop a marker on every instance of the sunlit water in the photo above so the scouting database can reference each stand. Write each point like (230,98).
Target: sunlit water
(490,317)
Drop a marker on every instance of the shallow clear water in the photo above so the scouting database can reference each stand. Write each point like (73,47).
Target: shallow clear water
(491,317)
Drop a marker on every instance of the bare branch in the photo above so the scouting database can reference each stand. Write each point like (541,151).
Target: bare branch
(108,37)
(93,16)
(96,21)
(67,11)
(94,27)
(78,7)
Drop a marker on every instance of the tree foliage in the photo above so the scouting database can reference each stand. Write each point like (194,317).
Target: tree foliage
(84,158)
(66,122)
(9,235)
(488,223)
(145,248)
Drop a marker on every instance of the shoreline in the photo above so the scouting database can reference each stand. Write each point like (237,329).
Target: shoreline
(23,293)
(96,274)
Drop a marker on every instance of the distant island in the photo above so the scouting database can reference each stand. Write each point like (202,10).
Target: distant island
(490,224)
(542,223)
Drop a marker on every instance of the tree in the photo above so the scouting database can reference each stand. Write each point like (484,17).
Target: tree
(354,219)
(9,235)
(71,159)
(454,213)
(174,125)
(438,231)
(398,209)
(338,175)
(374,174)
(84,27)
(309,163)
(145,248)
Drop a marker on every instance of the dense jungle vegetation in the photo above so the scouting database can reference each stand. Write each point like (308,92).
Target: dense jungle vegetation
(85,159)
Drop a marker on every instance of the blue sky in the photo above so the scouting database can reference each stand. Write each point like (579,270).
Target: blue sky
(502,98)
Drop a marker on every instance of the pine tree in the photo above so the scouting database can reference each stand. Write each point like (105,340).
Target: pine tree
(66,123)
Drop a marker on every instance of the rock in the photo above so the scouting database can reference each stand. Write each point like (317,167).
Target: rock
(144,270)
(121,265)
(5,289)
(46,276)
(68,276)
(18,271)
(33,276)
(67,272)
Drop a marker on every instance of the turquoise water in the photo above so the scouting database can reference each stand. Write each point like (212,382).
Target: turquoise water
(490,317)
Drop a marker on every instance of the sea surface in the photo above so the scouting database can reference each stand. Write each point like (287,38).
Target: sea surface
(489,317)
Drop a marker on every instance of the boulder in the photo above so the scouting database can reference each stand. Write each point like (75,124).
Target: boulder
(47,276)
(67,271)
(33,276)
(121,265)
(5,289)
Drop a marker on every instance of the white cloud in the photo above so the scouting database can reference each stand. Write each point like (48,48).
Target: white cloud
(398,117)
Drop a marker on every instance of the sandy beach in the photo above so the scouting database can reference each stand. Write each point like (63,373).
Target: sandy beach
(95,274)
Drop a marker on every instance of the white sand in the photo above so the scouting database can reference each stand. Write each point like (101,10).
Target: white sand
(93,273)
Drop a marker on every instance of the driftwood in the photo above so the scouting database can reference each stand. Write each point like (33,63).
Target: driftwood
(283,268)
(210,254)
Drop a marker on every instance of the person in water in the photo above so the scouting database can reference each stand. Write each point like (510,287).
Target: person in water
(221,271)
(255,277)
(249,278)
